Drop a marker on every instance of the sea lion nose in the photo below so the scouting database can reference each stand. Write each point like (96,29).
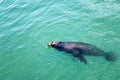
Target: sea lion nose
(49,44)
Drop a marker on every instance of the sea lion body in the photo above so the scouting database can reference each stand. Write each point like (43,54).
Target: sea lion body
(79,49)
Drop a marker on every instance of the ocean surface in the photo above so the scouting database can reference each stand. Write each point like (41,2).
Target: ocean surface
(26,26)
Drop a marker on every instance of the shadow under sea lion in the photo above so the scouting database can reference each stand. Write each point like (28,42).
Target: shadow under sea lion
(79,49)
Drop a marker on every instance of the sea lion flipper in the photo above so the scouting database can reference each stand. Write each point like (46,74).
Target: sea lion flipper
(82,59)
(80,56)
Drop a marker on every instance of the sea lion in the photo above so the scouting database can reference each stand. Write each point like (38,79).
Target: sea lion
(79,49)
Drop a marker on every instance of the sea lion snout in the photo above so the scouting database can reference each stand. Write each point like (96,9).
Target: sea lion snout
(49,44)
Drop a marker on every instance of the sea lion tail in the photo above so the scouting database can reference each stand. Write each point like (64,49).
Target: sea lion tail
(110,57)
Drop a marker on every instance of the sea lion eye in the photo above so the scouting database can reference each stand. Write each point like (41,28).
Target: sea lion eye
(52,42)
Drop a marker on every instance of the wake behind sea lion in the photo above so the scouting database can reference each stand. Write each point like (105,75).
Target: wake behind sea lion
(79,49)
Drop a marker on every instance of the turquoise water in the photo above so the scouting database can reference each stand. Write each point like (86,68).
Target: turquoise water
(26,26)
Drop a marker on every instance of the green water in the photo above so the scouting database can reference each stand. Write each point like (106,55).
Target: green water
(26,26)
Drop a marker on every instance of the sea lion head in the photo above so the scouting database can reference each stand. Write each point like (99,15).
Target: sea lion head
(53,43)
